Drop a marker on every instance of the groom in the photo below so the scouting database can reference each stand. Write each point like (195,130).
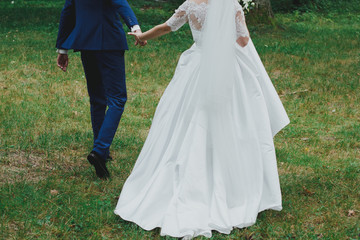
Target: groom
(93,27)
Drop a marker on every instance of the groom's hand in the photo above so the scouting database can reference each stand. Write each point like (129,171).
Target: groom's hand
(137,39)
(62,61)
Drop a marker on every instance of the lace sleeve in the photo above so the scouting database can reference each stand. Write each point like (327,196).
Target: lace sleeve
(241,28)
(179,18)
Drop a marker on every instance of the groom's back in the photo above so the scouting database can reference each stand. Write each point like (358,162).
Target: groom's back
(97,26)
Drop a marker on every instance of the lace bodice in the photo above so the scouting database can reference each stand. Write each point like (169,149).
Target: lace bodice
(195,13)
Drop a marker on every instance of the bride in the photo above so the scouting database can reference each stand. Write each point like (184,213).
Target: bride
(209,160)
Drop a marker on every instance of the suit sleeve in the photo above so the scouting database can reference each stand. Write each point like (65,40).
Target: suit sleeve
(125,11)
(67,22)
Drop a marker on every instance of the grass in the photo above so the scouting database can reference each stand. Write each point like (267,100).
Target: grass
(49,191)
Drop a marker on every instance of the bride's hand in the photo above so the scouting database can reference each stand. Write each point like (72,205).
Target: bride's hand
(138,38)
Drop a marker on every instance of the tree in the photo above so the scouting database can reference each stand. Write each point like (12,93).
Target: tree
(263,8)
(259,12)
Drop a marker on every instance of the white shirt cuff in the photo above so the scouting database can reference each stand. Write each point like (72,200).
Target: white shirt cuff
(62,51)
(135,27)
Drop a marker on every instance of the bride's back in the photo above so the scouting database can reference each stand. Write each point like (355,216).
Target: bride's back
(194,12)
(197,13)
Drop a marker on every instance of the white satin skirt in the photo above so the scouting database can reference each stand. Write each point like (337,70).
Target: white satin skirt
(212,169)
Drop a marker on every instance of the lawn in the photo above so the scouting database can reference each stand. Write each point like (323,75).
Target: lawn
(47,188)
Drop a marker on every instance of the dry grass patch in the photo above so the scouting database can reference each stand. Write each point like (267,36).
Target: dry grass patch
(294,170)
(33,167)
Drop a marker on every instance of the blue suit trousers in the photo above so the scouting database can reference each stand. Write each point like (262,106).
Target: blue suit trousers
(105,76)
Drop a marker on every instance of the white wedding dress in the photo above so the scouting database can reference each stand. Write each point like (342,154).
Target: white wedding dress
(210,166)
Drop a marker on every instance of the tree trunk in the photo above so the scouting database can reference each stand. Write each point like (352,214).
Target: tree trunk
(263,7)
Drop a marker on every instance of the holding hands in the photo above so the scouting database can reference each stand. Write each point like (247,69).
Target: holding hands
(138,40)
(141,38)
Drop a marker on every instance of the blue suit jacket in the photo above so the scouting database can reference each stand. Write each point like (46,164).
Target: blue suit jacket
(94,25)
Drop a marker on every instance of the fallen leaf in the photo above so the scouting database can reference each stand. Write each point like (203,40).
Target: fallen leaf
(307,191)
(351,213)
(54,192)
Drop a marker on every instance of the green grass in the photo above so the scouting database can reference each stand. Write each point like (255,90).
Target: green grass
(313,60)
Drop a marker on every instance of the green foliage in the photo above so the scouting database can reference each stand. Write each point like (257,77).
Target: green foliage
(316,5)
(45,129)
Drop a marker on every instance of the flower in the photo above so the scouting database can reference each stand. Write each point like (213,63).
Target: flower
(247,5)
(12,2)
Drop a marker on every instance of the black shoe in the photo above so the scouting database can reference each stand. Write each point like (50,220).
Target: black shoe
(109,158)
(99,164)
